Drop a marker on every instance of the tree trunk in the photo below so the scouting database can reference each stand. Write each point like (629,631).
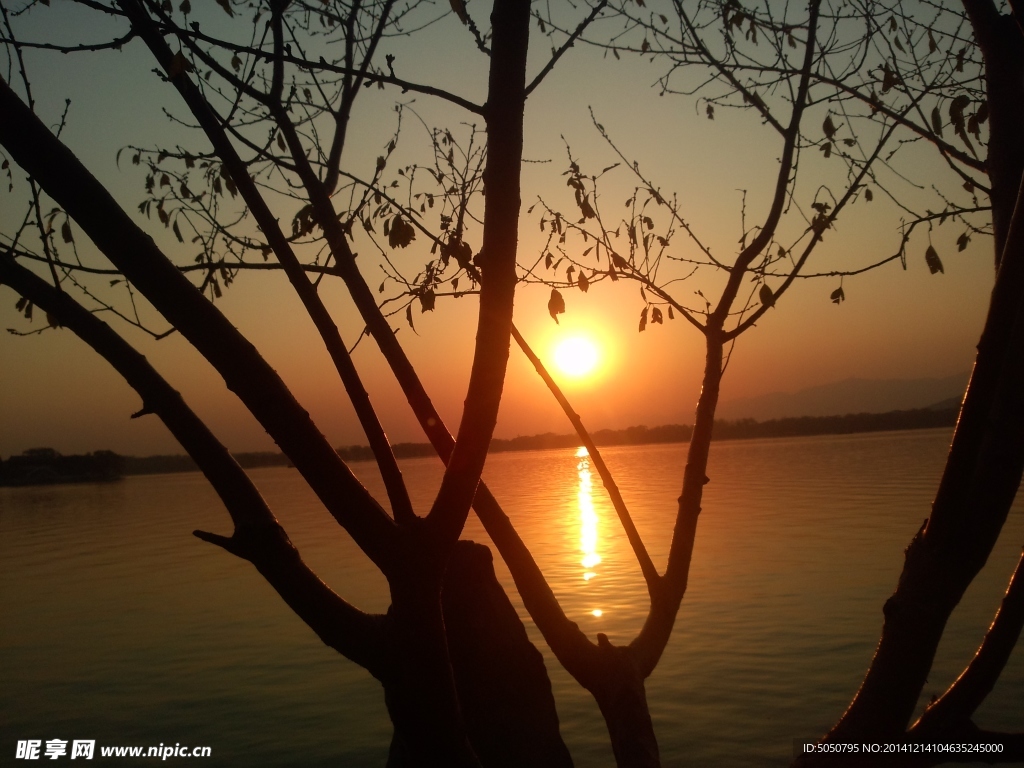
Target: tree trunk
(503,687)
(419,686)
(986,459)
(623,701)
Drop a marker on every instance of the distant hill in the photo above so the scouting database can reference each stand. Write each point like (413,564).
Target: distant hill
(44,465)
(850,396)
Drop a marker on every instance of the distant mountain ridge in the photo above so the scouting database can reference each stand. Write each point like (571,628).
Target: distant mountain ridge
(45,466)
(853,395)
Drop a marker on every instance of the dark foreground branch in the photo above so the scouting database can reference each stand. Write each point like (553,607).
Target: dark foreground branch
(258,537)
(245,372)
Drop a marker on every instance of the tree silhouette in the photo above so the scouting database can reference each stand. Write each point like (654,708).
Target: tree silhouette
(879,71)
(812,76)
(408,648)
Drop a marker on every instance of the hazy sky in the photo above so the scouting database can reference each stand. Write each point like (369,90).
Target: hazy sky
(54,391)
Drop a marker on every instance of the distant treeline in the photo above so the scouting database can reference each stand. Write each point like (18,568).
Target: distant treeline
(158,465)
(45,465)
(801,426)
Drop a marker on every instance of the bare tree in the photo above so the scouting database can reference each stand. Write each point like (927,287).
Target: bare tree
(269,99)
(904,73)
(983,470)
(408,648)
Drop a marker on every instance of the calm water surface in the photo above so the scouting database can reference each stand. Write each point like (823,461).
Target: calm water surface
(117,625)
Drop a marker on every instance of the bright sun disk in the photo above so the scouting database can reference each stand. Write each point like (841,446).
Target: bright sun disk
(576,356)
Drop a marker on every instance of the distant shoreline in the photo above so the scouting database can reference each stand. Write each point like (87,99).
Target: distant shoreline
(44,466)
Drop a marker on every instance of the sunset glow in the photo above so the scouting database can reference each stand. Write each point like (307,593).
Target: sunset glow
(588,517)
(576,356)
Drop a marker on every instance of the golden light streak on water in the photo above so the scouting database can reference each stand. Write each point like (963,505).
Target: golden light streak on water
(588,520)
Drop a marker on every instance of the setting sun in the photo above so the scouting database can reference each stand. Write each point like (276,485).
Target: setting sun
(576,356)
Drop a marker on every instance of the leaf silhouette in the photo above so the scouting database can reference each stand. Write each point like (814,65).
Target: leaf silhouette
(427,301)
(556,305)
(828,127)
(402,233)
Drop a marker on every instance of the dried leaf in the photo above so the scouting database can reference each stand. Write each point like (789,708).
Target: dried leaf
(936,121)
(828,127)
(956,110)
(889,78)
(402,233)
(427,301)
(837,295)
(556,305)
(931,258)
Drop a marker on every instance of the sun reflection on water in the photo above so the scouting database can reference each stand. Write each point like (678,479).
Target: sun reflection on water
(588,520)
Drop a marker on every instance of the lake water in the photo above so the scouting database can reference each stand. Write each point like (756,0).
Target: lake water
(117,625)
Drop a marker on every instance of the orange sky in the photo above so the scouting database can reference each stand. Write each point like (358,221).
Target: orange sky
(55,391)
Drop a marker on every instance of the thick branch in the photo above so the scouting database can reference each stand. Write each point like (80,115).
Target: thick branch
(791,137)
(1002,45)
(257,537)
(958,704)
(982,475)
(651,641)
(506,99)
(245,372)
(647,568)
(325,325)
